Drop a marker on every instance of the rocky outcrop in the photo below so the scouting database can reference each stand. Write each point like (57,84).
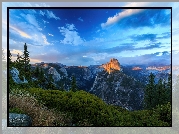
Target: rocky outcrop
(19,120)
(56,76)
(118,89)
(64,71)
(87,74)
(112,65)
(15,76)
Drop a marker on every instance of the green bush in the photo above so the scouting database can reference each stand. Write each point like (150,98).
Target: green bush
(164,113)
(85,108)
(16,110)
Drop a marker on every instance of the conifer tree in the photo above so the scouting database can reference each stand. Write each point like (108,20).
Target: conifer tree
(41,78)
(73,84)
(149,100)
(37,72)
(26,63)
(19,65)
(50,82)
(159,93)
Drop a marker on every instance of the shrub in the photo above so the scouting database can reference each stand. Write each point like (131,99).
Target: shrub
(41,115)
(85,109)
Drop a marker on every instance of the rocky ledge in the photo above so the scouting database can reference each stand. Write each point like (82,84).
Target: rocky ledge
(19,120)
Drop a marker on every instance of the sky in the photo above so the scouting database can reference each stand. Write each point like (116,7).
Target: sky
(92,36)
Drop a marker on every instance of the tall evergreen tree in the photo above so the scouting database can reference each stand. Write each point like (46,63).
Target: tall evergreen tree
(51,82)
(41,78)
(73,84)
(19,62)
(37,72)
(160,92)
(157,94)
(149,100)
(26,63)
(19,65)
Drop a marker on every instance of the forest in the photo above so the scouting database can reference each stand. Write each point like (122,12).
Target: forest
(51,106)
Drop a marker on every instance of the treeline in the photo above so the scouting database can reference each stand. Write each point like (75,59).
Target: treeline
(35,77)
(85,107)
(157,94)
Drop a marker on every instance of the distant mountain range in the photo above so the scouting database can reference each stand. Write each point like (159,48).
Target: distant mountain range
(113,83)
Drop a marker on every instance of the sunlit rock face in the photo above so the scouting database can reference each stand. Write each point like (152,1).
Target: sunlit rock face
(112,65)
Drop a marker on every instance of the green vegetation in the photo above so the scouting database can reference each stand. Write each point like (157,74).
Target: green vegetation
(157,94)
(73,84)
(82,108)
(16,110)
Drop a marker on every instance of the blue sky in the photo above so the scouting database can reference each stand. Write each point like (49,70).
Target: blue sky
(92,36)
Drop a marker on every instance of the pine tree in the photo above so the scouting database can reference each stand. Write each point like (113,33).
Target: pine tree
(73,84)
(37,72)
(26,63)
(149,100)
(19,65)
(159,93)
(41,78)
(50,82)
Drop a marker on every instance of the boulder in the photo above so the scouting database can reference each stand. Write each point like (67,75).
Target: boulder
(18,120)
(15,76)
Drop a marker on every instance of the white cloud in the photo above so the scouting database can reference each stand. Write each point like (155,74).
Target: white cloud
(50,34)
(42,13)
(31,20)
(45,40)
(80,19)
(15,52)
(71,35)
(22,33)
(45,21)
(119,16)
(40,39)
(125,13)
(50,14)
(32,34)
(71,27)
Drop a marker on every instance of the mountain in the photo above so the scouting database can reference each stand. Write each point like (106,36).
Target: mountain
(106,81)
(113,83)
(116,88)
(112,65)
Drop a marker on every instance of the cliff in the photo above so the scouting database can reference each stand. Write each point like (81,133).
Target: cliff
(112,65)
